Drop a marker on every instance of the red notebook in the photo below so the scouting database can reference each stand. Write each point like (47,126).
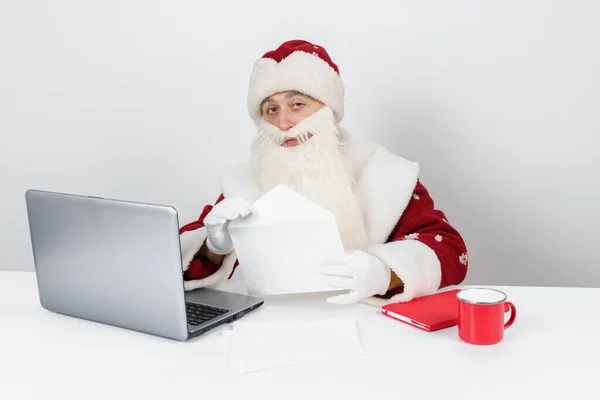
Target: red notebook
(430,313)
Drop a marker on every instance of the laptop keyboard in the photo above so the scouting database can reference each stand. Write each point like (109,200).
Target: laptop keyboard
(198,313)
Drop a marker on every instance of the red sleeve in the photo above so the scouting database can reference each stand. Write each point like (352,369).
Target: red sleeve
(421,221)
(200,267)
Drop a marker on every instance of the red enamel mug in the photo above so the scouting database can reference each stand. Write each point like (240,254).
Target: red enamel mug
(481,315)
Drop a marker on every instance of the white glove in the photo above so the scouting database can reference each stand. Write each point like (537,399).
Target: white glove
(216,222)
(364,275)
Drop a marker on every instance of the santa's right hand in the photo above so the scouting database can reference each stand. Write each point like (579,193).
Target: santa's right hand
(216,222)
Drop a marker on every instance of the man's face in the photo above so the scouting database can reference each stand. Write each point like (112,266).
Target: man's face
(284,110)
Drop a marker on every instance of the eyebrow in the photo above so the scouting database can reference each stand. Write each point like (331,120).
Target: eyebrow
(294,93)
(287,96)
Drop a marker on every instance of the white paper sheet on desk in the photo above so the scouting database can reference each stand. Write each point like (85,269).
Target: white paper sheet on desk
(280,247)
(256,346)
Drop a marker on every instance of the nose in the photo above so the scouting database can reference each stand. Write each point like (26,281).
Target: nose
(285,120)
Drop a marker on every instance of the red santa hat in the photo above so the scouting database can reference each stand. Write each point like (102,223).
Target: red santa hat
(296,65)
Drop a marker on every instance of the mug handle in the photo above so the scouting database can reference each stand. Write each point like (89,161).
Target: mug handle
(513,313)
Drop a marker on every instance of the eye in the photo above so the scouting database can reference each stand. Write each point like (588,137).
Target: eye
(271,110)
(298,104)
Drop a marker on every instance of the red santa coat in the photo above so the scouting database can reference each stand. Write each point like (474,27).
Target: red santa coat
(405,230)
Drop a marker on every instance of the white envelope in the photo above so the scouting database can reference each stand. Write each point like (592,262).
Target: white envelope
(280,247)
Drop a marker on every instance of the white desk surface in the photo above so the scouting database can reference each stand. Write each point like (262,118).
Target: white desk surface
(553,348)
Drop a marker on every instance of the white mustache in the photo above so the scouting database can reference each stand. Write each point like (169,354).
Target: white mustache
(278,137)
(303,131)
(302,137)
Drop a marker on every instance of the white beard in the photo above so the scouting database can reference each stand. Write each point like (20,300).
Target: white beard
(314,168)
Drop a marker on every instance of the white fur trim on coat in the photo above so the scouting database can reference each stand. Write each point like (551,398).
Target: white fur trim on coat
(191,242)
(415,263)
(385,186)
(217,278)
(300,71)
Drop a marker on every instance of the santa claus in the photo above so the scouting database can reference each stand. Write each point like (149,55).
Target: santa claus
(399,245)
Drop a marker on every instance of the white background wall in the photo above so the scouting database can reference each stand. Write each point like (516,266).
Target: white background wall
(145,100)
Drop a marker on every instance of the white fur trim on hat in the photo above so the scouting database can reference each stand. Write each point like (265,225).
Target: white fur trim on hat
(301,71)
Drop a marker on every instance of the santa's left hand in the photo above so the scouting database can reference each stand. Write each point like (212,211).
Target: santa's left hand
(364,275)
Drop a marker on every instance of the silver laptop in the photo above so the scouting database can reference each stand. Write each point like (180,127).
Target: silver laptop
(119,263)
